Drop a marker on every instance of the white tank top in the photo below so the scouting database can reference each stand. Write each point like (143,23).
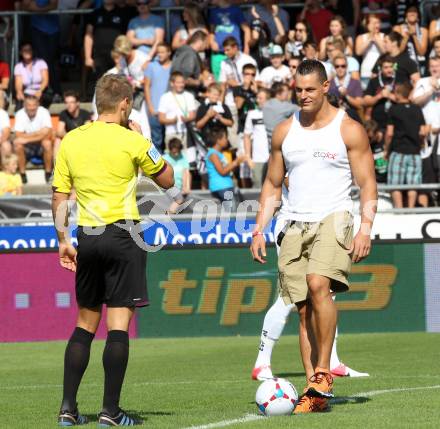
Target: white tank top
(319,172)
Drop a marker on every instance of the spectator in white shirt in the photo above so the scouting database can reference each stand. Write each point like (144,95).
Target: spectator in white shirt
(5,128)
(277,72)
(33,135)
(177,108)
(231,76)
(256,143)
(231,70)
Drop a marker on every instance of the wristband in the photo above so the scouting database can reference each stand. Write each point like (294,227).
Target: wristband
(255,233)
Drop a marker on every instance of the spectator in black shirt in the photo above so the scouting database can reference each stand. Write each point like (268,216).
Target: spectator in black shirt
(245,95)
(379,94)
(403,141)
(103,26)
(70,118)
(212,113)
(405,68)
(187,61)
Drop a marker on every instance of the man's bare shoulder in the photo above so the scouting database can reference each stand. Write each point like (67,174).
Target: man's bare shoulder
(353,133)
(280,132)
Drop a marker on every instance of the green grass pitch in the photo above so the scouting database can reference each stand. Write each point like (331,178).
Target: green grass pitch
(180,383)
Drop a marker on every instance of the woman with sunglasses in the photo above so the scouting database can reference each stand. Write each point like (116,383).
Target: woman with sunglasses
(337,29)
(301,34)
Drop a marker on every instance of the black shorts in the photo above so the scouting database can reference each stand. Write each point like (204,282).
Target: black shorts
(111,269)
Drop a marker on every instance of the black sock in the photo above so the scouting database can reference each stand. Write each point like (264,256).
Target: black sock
(114,359)
(76,360)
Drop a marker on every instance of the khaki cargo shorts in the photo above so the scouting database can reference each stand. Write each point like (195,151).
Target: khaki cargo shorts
(315,248)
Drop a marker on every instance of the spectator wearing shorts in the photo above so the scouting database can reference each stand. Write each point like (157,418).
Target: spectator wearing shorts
(10,180)
(33,136)
(177,107)
(403,142)
(256,144)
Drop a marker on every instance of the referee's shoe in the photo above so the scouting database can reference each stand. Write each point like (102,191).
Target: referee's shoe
(66,418)
(120,419)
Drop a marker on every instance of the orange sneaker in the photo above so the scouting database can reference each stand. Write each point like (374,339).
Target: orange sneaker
(310,404)
(321,384)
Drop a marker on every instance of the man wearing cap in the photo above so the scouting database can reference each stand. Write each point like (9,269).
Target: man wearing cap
(277,72)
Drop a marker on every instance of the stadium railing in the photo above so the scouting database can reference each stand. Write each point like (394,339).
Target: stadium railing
(248,195)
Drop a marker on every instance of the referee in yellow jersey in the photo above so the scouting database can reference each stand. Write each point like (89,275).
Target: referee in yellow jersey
(101,161)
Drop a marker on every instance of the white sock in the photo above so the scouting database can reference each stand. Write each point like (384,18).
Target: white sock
(273,326)
(334,359)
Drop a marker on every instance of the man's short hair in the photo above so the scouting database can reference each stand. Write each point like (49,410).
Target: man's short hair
(8,158)
(338,43)
(175,143)
(436,38)
(394,36)
(164,45)
(198,36)
(278,88)
(310,44)
(404,89)
(230,42)
(175,74)
(215,134)
(31,97)
(122,45)
(249,66)
(216,86)
(111,89)
(71,93)
(339,57)
(385,59)
(264,91)
(312,66)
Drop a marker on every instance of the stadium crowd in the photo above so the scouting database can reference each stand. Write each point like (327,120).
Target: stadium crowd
(211,97)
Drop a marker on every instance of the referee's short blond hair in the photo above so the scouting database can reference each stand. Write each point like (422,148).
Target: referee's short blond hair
(111,89)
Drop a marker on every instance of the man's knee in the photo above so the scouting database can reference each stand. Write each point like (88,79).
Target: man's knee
(18,145)
(47,144)
(318,285)
(119,318)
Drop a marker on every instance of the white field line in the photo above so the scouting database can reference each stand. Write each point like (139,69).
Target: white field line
(251,417)
(142,383)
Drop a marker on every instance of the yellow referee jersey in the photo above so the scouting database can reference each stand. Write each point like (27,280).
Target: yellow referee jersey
(101,161)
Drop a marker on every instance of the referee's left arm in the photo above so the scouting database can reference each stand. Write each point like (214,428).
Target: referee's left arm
(153,165)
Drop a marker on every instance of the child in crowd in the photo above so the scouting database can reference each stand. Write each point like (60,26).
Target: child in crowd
(219,171)
(376,143)
(182,175)
(212,113)
(10,180)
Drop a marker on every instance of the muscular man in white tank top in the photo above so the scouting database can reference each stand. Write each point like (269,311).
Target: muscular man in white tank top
(320,149)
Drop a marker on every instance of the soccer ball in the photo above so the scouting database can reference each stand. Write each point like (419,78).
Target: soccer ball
(276,397)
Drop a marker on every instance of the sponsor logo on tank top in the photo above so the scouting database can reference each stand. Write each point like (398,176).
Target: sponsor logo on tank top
(325,155)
